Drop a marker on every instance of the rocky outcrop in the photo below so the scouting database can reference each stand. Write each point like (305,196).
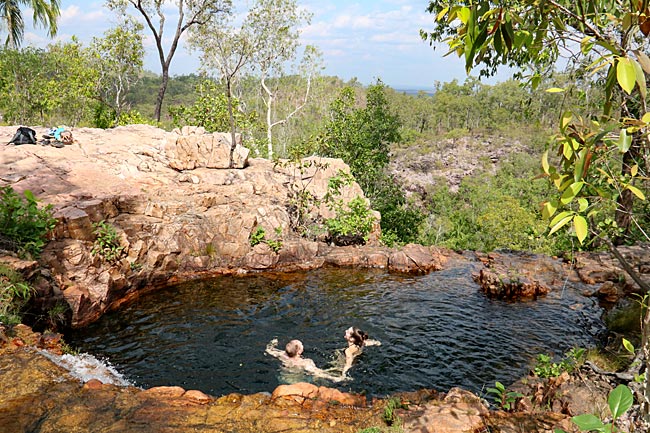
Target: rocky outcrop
(191,147)
(175,216)
(604,271)
(517,276)
(447,161)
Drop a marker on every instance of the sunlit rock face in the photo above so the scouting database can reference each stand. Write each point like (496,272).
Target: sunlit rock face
(176,211)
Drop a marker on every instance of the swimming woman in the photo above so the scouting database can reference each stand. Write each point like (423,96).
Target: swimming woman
(356,339)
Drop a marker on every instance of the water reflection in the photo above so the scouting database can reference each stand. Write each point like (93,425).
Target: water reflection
(437,331)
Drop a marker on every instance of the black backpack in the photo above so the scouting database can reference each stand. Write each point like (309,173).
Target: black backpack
(24,135)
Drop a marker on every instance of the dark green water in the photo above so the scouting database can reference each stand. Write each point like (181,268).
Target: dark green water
(437,330)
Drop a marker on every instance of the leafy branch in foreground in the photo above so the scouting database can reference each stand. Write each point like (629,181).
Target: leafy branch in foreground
(504,399)
(601,171)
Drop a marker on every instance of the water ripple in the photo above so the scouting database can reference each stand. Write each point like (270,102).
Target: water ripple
(437,331)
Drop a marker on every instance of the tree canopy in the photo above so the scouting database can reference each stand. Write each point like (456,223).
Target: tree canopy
(191,13)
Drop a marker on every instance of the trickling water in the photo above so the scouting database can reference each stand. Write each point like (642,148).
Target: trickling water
(437,331)
(85,367)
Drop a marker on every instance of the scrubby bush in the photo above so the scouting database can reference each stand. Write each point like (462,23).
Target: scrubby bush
(352,224)
(14,293)
(492,211)
(210,110)
(23,224)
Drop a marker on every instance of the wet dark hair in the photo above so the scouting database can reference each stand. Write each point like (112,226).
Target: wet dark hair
(359,336)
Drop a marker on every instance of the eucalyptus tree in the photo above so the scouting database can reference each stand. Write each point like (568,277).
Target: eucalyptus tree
(118,58)
(602,162)
(276,32)
(45,14)
(188,14)
(227,49)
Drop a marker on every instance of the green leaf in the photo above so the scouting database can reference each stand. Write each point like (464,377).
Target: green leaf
(640,78)
(583,203)
(620,400)
(535,81)
(561,221)
(586,44)
(624,141)
(29,196)
(570,193)
(442,13)
(580,225)
(636,191)
(464,14)
(580,164)
(634,170)
(626,74)
(545,162)
(496,41)
(646,118)
(567,116)
(588,422)
(555,90)
(549,209)
(628,346)
(567,149)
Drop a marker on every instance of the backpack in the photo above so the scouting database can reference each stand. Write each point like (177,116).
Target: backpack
(24,135)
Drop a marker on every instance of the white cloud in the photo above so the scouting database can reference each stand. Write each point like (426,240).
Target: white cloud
(74,15)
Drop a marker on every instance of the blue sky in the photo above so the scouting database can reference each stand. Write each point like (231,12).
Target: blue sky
(364,39)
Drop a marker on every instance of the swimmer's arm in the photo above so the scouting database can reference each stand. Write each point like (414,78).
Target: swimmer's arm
(372,343)
(312,369)
(348,362)
(272,350)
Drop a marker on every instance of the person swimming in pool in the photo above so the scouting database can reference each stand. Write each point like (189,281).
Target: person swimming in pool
(357,340)
(291,357)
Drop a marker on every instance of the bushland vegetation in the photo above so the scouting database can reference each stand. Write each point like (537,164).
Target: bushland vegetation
(367,126)
(372,128)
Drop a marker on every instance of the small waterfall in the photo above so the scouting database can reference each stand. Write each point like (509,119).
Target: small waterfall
(86,367)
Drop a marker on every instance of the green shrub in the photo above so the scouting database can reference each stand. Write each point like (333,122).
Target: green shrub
(545,368)
(489,212)
(23,225)
(14,294)
(133,117)
(107,243)
(352,224)
(259,236)
(504,399)
(210,110)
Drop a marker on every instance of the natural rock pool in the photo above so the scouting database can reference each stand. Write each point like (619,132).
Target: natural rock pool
(437,331)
